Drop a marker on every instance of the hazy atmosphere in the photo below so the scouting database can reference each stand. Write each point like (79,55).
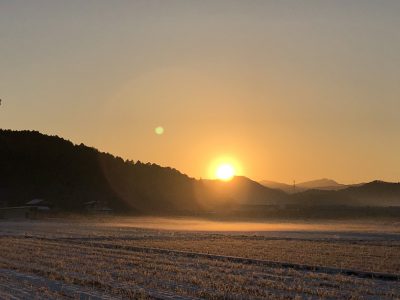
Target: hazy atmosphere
(282,89)
(209,149)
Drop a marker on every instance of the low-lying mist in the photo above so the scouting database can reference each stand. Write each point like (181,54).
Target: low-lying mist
(197,224)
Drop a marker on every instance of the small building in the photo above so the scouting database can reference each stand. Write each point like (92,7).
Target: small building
(40,203)
(33,209)
(42,207)
(18,212)
(97,207)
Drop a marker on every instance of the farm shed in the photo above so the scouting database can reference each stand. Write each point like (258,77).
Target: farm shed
(97,207)
(18,212)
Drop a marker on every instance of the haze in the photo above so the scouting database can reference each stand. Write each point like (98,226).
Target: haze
(288,89)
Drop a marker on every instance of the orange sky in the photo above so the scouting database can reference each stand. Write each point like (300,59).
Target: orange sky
(286,90)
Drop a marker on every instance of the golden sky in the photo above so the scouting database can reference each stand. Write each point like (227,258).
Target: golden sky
(283,89)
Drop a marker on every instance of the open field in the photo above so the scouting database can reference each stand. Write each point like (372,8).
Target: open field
(189,259)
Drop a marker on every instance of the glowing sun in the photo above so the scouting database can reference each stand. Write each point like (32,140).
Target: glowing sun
(225,172)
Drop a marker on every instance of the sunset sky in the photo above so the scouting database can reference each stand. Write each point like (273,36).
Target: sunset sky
(282,89)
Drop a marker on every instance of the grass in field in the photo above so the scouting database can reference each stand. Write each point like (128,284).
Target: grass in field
(76,253)
(126,273)
(364,256)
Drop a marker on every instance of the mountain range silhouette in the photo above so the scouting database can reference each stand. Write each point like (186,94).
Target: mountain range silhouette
(34,165)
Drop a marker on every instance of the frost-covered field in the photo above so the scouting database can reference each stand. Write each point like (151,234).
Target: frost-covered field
(187,259)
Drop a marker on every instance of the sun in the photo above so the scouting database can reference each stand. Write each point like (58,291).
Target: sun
(225,172)
(224,167)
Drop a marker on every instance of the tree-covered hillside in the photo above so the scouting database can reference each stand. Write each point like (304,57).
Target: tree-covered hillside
(34,165)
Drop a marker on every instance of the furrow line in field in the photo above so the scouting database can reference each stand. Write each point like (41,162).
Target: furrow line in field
(302,267)
(267,284)
(194,269)
(67,273)
(171,255)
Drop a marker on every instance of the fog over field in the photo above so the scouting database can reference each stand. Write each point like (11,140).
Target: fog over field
(198,224)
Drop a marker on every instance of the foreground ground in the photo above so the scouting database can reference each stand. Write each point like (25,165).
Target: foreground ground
(190,259)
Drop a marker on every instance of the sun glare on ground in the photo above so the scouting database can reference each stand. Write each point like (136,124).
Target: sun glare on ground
(225,172)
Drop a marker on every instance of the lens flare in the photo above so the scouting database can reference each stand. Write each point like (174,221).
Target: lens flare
(159,130)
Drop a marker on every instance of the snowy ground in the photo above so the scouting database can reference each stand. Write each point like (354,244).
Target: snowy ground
(138,258)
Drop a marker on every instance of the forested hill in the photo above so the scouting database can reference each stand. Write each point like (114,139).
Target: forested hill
(34,165)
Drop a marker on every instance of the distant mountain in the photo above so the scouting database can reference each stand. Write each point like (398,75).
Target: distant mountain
(242,190)
(278,185)
(375,193)
(320,184)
